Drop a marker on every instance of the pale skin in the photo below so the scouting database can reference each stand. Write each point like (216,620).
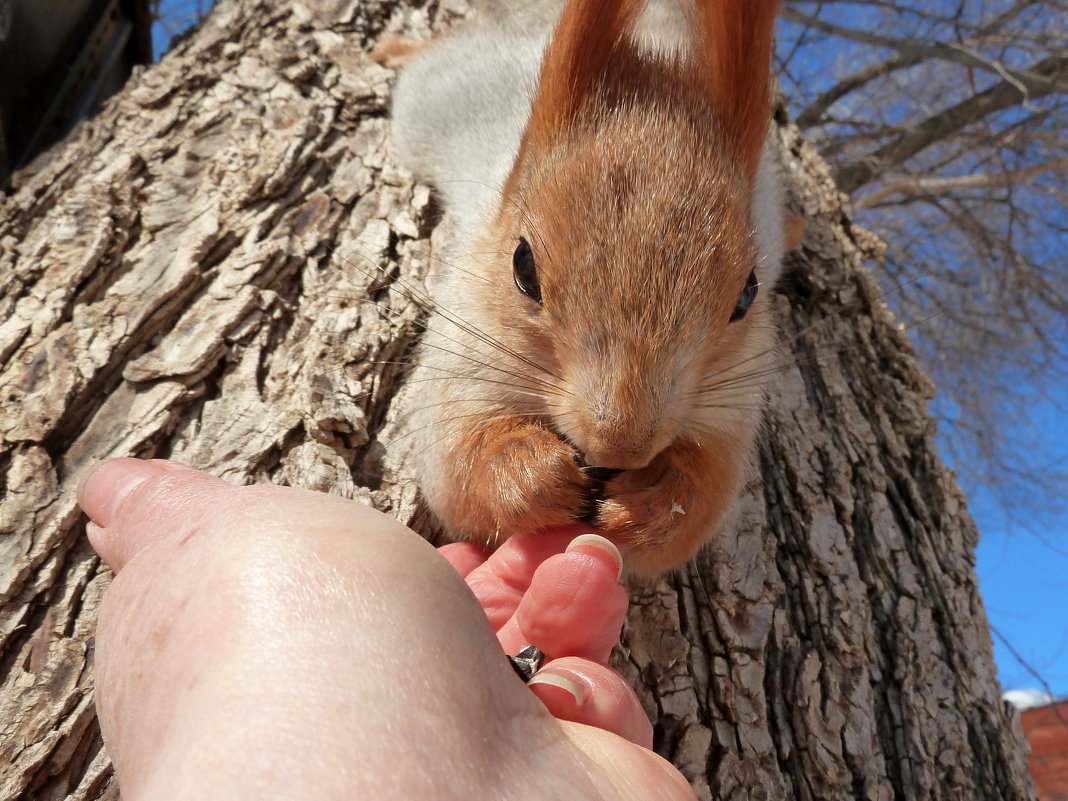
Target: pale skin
(270,643)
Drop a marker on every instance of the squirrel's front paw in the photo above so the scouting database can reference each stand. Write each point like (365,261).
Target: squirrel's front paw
(641,508)
(661,514)
(520,478)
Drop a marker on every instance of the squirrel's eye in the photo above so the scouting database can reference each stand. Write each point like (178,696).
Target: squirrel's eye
(525,272)
(749,294)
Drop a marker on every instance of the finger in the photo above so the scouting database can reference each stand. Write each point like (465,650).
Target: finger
(500,582)
(108,485)
(574,606)
(120,491)
(464,556)
(587,692)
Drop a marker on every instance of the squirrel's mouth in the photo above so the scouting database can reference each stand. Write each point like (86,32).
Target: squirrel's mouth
(601,474)
(598,476)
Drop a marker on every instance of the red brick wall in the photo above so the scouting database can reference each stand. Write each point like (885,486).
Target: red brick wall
(1046,728)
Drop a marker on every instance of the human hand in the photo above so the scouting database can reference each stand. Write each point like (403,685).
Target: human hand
(264,642)
(560,590)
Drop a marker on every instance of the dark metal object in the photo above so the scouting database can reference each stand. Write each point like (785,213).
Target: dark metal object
(60,60)
(527,662)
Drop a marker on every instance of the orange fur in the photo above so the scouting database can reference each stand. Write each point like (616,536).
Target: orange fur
(582,45)
(395,50)
(734,49)
(634,186)
(659,324)
(662,513)
(520,478)
(794,231)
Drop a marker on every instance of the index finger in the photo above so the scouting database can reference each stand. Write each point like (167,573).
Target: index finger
(502,580)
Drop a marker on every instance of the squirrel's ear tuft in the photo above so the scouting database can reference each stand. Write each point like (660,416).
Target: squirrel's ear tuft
(588,33)
(734,47)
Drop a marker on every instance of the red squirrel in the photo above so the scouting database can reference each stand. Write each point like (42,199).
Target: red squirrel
(601,333)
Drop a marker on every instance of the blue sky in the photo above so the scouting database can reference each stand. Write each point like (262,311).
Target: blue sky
(1023,575)
(175,16)
(1024,581)
(1022,565)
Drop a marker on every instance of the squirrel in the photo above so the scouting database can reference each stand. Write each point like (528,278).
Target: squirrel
(598,345)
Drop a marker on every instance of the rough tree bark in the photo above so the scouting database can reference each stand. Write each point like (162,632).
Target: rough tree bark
(215,269)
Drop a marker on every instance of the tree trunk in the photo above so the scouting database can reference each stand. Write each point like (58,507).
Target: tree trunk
(216,269)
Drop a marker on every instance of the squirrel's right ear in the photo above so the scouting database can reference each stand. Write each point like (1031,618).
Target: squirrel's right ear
(588,33)
(734,47)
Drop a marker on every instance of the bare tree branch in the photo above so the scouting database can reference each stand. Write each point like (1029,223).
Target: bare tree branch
(912,186)
(1034,82)
(814,113)
(939,126)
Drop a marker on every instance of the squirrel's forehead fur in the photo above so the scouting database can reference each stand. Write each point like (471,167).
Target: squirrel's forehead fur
(647,219)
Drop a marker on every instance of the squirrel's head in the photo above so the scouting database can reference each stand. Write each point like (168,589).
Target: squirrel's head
(629,251)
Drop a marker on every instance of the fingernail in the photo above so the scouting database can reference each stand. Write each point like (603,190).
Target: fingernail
(170,464)
(601,544)
(569,682)
(103,492)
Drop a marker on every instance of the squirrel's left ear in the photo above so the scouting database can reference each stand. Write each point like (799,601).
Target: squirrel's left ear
(793,228)
(588,33)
